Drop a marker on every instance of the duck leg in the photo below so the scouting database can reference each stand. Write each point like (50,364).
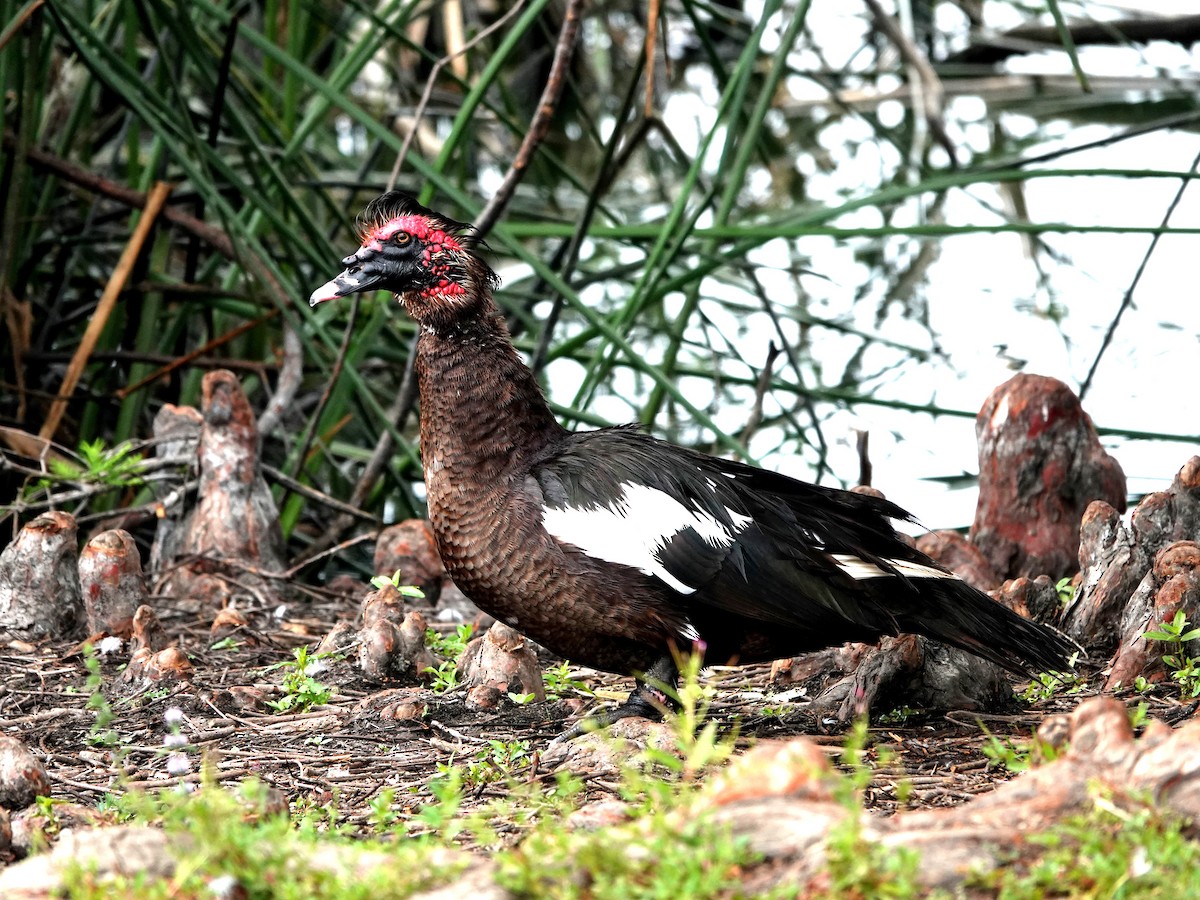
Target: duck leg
(653,696)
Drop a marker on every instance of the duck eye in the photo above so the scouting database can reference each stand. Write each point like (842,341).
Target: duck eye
(402,237)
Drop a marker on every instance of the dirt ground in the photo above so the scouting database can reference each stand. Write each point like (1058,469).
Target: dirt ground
(346,751)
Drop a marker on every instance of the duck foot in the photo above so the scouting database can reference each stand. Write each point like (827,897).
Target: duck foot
(651,699)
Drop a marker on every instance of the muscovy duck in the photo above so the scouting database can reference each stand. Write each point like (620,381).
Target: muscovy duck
(618,550)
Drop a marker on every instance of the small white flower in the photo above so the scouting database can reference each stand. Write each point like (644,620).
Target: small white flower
(175,739)
(178,763)
(280,611)
(110,645)
(223,886)
(173,716)
(1139,865)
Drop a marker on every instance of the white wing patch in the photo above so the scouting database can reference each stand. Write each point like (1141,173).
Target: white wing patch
(633,529)
(859,569)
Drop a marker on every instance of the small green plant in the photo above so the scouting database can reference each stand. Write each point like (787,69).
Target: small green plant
(1018,757)
(698,745)
(382,814)
(443,677)
(859,773)
(665,854)
(301,690)
(118,467)
(1184,668)
(559,682)
(312,816)
(1065,590)
(235,839)
(1006,753)
(855,866)
(1139,716)
(116,808)
(226,643)
(498,761)
(853,761)
(441,816)
(1046,685)
(1126,849)
(667,849)
(44,807)
(452,645)
(379,582)
(99,735)
(898,716)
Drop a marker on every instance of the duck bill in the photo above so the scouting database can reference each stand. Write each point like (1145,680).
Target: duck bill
(346,283)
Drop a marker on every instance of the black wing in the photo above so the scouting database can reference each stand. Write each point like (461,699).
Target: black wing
(737,540)
(751,541)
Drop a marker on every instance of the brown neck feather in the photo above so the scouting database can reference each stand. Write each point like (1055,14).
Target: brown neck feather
(482,412)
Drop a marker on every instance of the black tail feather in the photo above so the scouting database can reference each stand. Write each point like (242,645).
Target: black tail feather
(957,614)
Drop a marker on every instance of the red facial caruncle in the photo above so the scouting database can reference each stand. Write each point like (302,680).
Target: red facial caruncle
(435,239)
(434,243)
(444,288)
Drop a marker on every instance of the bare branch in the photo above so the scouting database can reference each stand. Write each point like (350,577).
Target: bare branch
(540,125)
